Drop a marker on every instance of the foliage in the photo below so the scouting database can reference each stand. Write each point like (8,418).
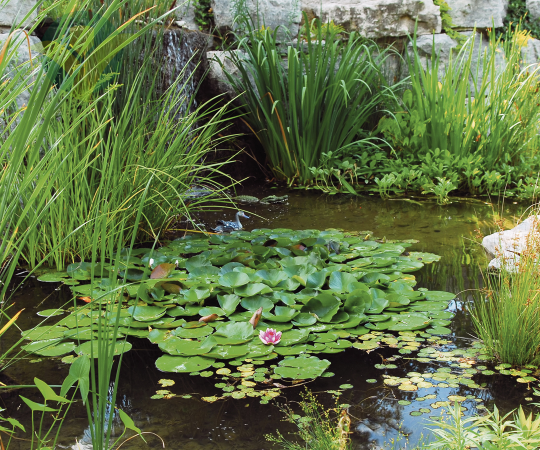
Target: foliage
(505,314)
(318,428)
(489,432)
(447,24)
(328,29)
(318,100)
(204,15)
(485,145)
(116,158)
(518,13)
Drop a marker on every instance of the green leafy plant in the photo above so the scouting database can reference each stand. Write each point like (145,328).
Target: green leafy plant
(318,428)
(447,23)
(518,13)
(441,190)
(204,16)
(469,119)
(315,101)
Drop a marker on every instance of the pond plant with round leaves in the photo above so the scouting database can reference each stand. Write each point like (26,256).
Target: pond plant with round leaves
(199,298)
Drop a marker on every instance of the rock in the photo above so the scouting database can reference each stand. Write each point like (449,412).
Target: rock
(379,18)
(21,59)
(530,53)
(216,80)
(505,247)
(14,11)
(534,8)
(481,46)
(478,13)
(271,13)
(186,16)
(440,44)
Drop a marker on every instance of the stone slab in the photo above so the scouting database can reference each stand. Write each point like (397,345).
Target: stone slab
(378,18)
(477,13)
(14,11)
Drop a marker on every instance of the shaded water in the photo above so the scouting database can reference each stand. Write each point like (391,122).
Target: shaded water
(450,231)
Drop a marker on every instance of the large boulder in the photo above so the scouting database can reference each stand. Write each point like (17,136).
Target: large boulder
(270,13)
(530,53)
(506,247)
(21,59)
(438,44)
(14,11)
(534,8)
(478,13)
(379,18)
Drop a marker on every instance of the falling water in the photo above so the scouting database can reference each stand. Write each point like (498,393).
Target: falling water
(184,55)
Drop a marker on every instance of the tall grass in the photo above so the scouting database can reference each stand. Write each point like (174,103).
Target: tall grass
(506,314)
(482,112)
(117,157)
(316,100)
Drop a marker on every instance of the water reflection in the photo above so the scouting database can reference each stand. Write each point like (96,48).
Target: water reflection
(449,231)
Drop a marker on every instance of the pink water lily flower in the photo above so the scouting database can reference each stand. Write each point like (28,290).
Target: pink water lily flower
(270,336)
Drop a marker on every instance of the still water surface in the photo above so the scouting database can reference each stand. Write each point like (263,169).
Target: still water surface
(451,231)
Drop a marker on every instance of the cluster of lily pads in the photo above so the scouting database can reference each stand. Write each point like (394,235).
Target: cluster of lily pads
(199,298)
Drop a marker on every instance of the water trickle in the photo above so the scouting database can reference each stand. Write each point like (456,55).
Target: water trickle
(183,56)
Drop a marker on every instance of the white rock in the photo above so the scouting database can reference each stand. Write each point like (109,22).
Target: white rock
(440,44)
(14,11)
(379,18)
(530,53)
(271,13)
(506,246)
(21,59)
(186,16)
(216,76)
(478,13)
(534,8)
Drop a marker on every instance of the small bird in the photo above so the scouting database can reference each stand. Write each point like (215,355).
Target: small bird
(226,226)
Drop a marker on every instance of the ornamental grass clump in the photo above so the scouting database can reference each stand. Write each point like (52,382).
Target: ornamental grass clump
(316,100)
(506,313)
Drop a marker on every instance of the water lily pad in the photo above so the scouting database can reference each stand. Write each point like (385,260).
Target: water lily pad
(183,347)
(302,367)
(228,303)
(236,331)
(146,313)
(234,279)
(193,333)
(281,314)
(252,289)
(291,337)
(117,347)
(182,364)
(50,312)
(44,332)
(271,277)
(256,302)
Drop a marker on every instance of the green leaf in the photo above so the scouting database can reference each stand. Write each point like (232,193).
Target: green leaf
(340,281)
(252,289)
(129,424)
(242,331)
(146,313)
(183,364)
(36,406)
(228,303)
(323,306)
(302,367)
(48,393)
(234,279)
(281,314)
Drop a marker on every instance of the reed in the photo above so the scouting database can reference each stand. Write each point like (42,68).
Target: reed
(506,313)
(316,100)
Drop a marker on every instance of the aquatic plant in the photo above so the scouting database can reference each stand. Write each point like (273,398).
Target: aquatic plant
(196,297)
(485,115)
(107,156)
(505,312)
(318,99)
(318,427)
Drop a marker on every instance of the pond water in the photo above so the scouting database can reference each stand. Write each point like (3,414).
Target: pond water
(450,231)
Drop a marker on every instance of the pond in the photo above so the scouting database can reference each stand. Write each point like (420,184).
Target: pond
(377,407)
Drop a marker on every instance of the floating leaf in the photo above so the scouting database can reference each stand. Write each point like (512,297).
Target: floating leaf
(182,364)
(302,367)
(162,271)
